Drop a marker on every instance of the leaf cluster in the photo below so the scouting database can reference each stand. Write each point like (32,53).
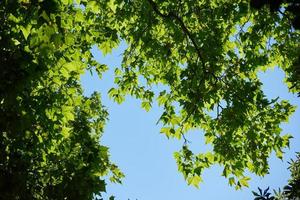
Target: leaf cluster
(291,191)
(50,132)
(208,55)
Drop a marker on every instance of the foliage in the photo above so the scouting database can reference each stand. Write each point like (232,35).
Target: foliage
(290,191)
(206,53)
(263,195)
(50,132)
(291,6)
(289,9)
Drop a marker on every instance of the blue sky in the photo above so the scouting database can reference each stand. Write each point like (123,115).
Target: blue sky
(146,156)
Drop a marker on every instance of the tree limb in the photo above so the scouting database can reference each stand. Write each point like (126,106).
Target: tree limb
(172,15)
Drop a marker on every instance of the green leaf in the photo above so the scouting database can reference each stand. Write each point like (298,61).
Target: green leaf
(13,18)
(165,130)
(15,41)
(66,131)
(93,6)
(231,181)
(112,92)
(111,4)
(67,2)
(146,105)
(45,16)
(244,181)
(195,180)
(26,30)
(209,139)
(107,46)
(279,153)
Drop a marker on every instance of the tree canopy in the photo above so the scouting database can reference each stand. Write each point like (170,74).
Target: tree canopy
(206,53)
(49,131)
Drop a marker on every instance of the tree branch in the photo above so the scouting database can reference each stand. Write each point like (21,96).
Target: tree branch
(172,15)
